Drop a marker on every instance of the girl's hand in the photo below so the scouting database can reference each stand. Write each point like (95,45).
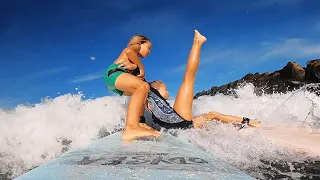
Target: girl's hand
(141,75)
(128,65)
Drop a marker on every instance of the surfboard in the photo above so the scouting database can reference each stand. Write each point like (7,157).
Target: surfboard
(293,138)
(156,158)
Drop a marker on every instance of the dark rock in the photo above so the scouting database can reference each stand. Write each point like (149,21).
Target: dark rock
(289,78)
(313,70)
(292,71)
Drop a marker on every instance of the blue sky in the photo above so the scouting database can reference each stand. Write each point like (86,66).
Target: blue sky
(47,47)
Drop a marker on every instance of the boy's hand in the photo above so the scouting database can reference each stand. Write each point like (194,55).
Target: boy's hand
(128,65)
(254,123)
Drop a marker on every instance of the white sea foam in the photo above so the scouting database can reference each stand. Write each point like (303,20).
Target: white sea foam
(30,136)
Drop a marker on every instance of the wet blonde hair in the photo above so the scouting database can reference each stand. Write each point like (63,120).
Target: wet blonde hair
(156,84)
(138,39)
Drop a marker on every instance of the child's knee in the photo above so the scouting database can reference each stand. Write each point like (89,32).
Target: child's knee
(144,86)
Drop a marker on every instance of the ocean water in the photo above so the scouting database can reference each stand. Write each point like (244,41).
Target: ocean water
(32,135)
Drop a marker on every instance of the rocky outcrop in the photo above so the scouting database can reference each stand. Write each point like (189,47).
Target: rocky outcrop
(313,70)
(289,78)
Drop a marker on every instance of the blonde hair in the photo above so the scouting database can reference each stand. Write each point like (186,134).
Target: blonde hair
(156,84)
(138,39)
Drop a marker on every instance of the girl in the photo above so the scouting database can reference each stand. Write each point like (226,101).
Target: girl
(123,82)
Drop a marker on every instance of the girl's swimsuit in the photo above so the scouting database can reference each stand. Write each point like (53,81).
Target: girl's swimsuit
(111,75)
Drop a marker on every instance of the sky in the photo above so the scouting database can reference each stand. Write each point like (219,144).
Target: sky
(50,48)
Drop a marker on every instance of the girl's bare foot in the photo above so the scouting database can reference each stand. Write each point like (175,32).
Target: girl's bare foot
(144,125)
(130,134)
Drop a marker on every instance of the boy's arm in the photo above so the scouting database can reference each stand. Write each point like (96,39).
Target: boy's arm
(132,53)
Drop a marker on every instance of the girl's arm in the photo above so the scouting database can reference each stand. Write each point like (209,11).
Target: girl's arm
(128,65)
(132,53)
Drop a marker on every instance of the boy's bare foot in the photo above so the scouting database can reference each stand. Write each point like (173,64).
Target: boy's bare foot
(130,134)
(199,37)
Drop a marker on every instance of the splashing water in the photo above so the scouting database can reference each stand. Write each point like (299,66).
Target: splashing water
(30,136)
(252,148)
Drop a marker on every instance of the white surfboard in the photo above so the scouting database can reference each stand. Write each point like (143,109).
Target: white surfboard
(167,157)
(293,138)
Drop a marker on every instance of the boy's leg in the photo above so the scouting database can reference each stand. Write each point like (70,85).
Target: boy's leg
(184,99)
(143,121)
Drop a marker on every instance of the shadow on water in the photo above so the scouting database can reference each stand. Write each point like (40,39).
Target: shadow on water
(5,176)
(309,169)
